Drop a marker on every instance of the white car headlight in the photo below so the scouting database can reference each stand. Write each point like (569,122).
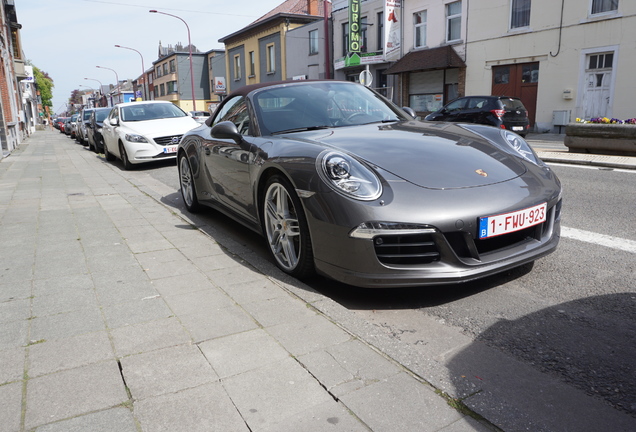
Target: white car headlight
(135,138)
(348,176)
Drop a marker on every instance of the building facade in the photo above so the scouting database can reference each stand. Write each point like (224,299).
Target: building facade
(12,70)
(258,53)
(564,59)
(172,78)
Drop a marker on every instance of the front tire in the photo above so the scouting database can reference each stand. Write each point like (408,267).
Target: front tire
(186,185)
(109,156)
(124,157)
(286,230)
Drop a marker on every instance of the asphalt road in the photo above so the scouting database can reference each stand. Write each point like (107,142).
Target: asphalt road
(572,316)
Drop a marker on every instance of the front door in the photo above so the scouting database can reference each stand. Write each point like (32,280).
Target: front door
(518,80)
(598,79)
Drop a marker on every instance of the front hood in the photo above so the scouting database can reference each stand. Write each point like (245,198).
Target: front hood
(161,127)
(431,155)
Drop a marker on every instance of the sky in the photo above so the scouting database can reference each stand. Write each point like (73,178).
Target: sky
(69,38)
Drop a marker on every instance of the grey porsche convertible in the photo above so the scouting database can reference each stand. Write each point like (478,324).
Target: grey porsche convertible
(342,183)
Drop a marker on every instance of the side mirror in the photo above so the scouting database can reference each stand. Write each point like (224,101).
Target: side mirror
(226,130)
(410,111)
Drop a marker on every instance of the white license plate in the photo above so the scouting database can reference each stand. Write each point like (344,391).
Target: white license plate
(517,128)
(171,149)
(492,226)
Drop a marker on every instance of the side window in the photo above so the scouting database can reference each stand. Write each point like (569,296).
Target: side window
(457,105)
(114,114)
(235,110)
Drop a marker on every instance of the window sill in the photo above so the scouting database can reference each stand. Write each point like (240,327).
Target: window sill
(601,17)
(519,30)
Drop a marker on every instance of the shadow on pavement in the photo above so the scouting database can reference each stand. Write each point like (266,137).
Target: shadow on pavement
(588,344)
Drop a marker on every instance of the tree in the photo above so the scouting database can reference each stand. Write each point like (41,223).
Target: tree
(45,85)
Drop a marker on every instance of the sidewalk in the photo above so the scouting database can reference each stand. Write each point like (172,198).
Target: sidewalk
(118,314)
(550,148)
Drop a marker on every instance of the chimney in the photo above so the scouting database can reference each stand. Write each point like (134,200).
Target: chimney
(312,7)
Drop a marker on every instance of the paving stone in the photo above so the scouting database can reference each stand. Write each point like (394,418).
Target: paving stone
(15,290)
(182,284)
(67,324)
(201,409)
(11,403)
(53,356)
(136,311)
(279,310)
(268,395)
(167,370)
(14,334)
(242,352)
(73,392)
(113,420)
(198,302)
(11,364)
(326,417)
(400,403)
(64,301)
(217,323)
(148,336)
(258,290)
(14,310)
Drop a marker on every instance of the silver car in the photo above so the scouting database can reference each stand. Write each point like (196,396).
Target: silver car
(342,183)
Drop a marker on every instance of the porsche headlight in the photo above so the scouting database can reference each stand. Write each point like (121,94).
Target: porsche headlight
(520,146)
(135,138)
(348,176)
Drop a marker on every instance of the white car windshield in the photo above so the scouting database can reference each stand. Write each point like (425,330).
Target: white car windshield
(140,112)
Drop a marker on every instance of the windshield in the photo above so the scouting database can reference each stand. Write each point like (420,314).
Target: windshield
(306,106)
(139,112)
(100,115)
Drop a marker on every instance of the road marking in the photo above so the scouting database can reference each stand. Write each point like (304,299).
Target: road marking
(599,239)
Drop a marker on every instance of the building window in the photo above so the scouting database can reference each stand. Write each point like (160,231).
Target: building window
(345,39)
(162,90)
(237,67)
(419,21)
(519,13)
(171,87)
(252,64)
(158,71)
(453,21)
(602,6)
(380,35)
(165,68)
(313,42)
(601,61)
(363,34)
(172,67)
(271,58)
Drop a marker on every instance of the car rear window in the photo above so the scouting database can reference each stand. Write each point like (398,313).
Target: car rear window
(512,104)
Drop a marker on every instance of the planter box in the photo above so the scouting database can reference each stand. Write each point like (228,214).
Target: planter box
(616,139)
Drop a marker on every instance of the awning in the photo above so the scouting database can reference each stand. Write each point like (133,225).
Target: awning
(429,59)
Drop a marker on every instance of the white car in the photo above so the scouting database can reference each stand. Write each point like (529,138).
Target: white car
(138,132)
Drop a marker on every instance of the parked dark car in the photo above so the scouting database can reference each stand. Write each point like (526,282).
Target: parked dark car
(94,129)
(343,183)
(500,111)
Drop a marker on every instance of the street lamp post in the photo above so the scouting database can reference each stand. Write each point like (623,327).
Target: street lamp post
(194,104)
(143,69)
(116,77)
(101,86)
